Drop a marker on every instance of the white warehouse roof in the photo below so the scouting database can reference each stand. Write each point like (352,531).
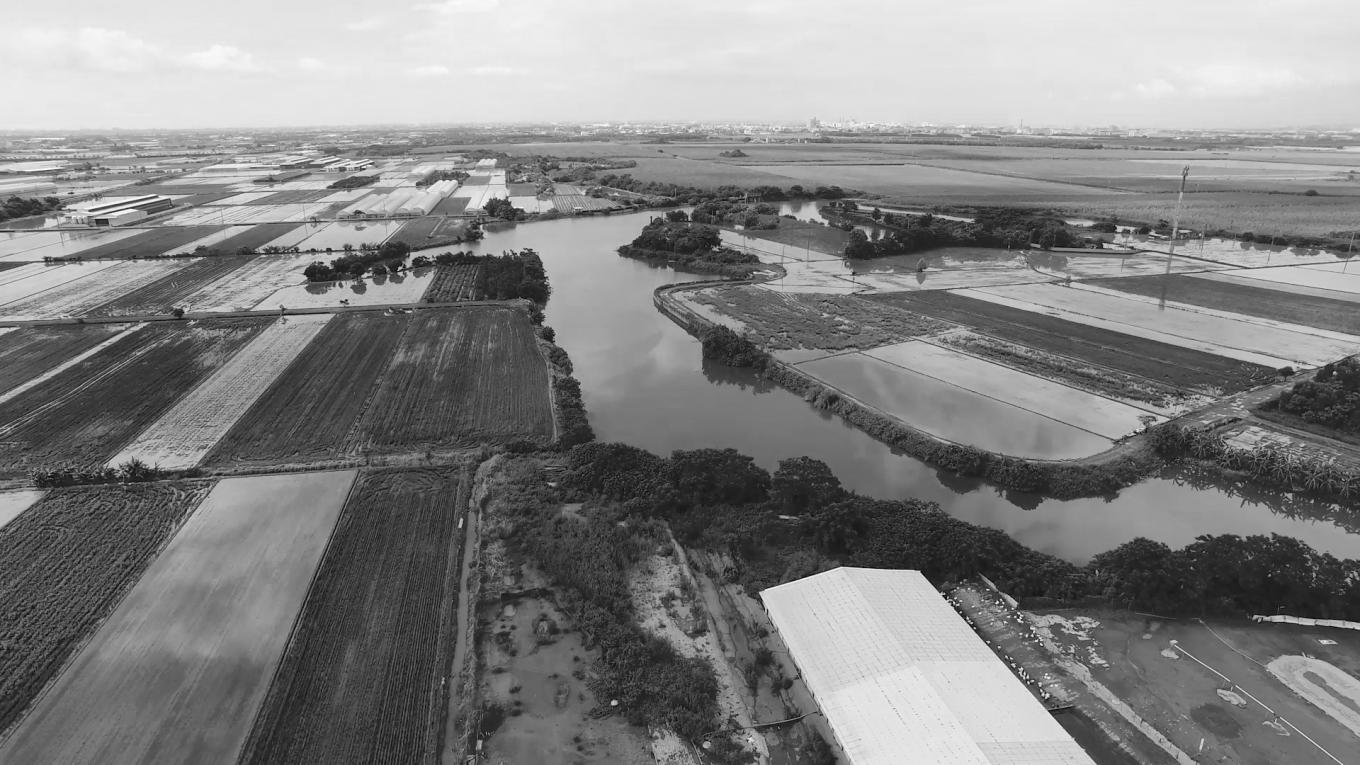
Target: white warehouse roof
(902,679)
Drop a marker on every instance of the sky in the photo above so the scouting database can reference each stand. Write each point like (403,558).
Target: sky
(243,63)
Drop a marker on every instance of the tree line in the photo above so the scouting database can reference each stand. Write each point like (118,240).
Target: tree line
(992,227)
(799,520)
(23,207)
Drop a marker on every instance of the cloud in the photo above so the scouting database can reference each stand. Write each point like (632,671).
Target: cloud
(1241,79)
(309,64)
(495,71)
(96,49)
(367,24)
(1155,88)
(429,70)
(222,58)
(455,7)
(88,48)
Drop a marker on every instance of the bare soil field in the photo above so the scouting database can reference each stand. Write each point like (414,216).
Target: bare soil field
(375,633)
(89,411)
(178,671)
(27,353)
(1169,364)
(312,407)
(256,236)
(149,242)
(244,287)
(461,377)
(1308,310)
(171,290)
(64,566)
(783,321)
(14,503)
(1147,663)
(182,436)
(452,284)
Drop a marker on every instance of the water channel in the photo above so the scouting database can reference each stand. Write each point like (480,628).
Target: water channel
(645,383)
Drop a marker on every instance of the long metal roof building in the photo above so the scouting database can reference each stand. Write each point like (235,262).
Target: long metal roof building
(902,679)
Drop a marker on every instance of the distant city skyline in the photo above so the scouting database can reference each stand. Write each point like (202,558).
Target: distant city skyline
(1210,64)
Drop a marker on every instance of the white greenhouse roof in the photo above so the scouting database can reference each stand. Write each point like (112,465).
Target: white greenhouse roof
(902,679)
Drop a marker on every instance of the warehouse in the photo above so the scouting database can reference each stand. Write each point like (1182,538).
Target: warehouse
(117,212)
(902,679)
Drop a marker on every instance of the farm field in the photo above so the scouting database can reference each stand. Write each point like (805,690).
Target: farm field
(84,415)
(1170,364)
(246,286)
(782,321)
(1260,301)
(294,196)
(27,353)
(451,205)
(933,185)
(14,503)
(36,245)
(1092,413)
(196,422)
(1332,279)
(689,172)
(340,233)
(418,231)
(375,632)
(951,412)
(1226,336)
(401,289)
(256,236)
(152,241)
(453,283)
(19,283)
(169,291)
(76,297)
(178,671)
(64,566)
(1232,253)
(460,377)
(308,412)
(799,236)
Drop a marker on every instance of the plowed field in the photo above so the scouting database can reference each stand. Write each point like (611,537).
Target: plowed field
(149,242)
(361,679)
(309,411)
(65,564)
(453,283)
(85,414)
(171,290)
(27,353)
(461,377)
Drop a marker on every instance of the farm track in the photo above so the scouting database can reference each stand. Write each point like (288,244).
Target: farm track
(452,284)
(27,353)
(312,407)
(64,566)
(170,290)
(458,379)
(362,677)
(88,412)
(1167,364)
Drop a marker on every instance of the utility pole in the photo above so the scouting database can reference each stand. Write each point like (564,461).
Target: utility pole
(1175,232)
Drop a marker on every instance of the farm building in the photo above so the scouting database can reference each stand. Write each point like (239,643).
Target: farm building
(117,212)
(902,679)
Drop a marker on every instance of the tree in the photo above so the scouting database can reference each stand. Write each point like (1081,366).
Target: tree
(718,476)
(802,484)
(859,246)
(677,216)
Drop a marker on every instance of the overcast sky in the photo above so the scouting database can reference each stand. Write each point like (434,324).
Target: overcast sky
(189,63)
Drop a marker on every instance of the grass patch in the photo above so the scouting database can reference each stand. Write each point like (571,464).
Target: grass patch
(829,322)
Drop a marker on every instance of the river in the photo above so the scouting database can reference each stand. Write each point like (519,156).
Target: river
(645,383)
